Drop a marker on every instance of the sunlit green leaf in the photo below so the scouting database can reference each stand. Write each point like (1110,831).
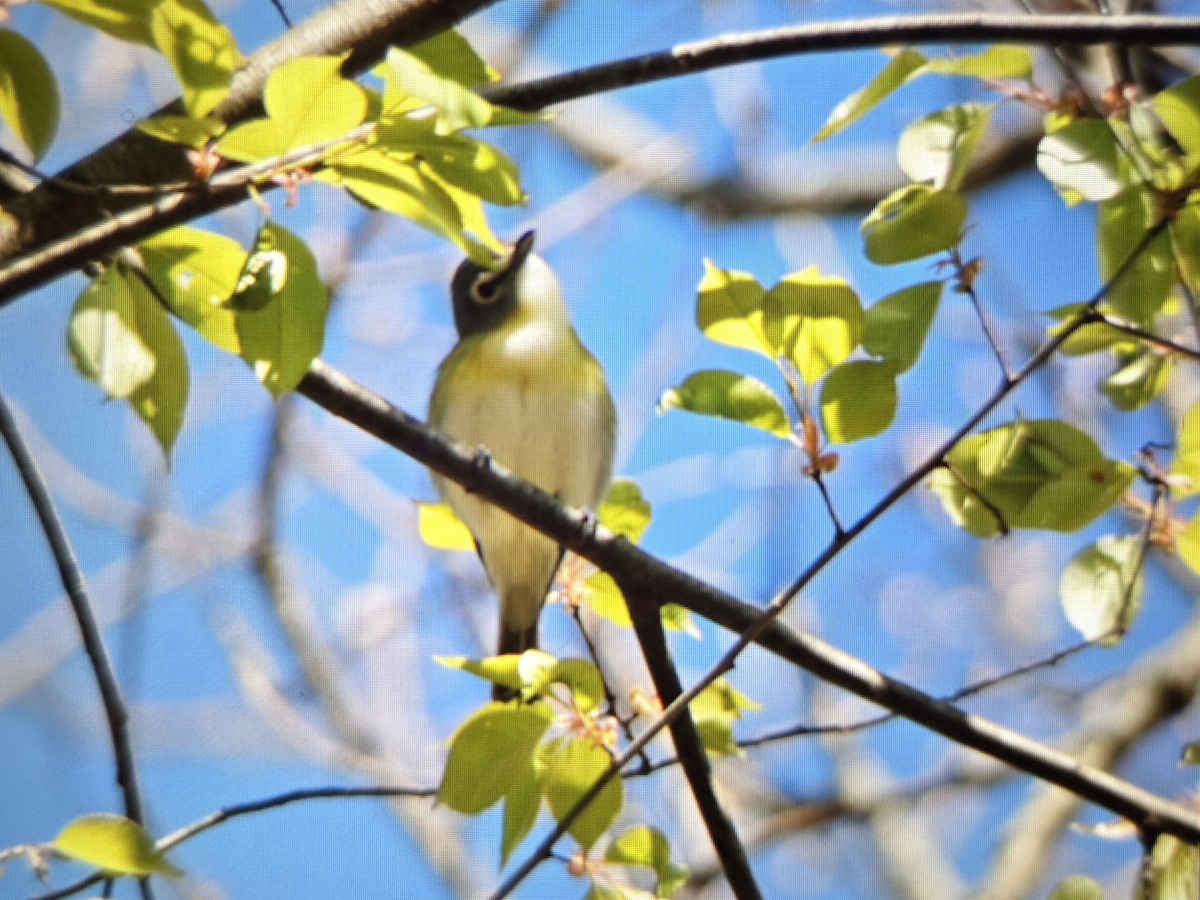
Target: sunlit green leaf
(1121,226)
(28,93)
(729,309)
(441,529)
(489,753)
(126,20)
(1187,543)
(121,338)
(1185,245)
(457,106)
(817,320)
(1088,338)
(1032,474)
(582,678)
(573,765)
(1185,468)
(858,400)
(1141,377)
(625,510)
(197,271)
(463,161)
(450,55)
(861,102)
(938,149)
(1101,588)
(1077,887)
(728,395)
(648,848)
(1179,109)
(307,102)
(182,129)
(281,303)
(1083,161)
(995,62)
(896,326)
(605,599)
(115,845)
(913,222)
(399,186)
(522,804)
(200,49)
(501,670)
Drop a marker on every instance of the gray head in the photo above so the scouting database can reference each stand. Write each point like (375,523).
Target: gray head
(483,298)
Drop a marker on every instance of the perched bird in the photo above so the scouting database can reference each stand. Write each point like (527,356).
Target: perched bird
(521,384)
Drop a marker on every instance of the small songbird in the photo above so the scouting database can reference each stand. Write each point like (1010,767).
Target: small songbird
(521,384)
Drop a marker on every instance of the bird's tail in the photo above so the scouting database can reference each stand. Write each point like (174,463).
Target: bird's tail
(513,640)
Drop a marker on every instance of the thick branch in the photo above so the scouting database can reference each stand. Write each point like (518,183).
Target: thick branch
(647,576)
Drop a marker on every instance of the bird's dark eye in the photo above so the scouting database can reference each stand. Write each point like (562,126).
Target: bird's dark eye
(485,288)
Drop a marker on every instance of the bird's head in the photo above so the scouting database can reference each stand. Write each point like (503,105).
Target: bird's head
(521,286)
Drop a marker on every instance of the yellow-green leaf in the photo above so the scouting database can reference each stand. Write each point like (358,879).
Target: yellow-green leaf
(1147,281)
(995,62)
(1179,109)
(858,104)
(896,326)
(625,510)
(489,753)
(938,149)
(1101,588)
(126,20)
(1140,377)
(605,599)
(858,400)
(815,319)
(441,529)
(913,222)
(728,395)
(522,804)
(648,847)
(200,49)
(457,106)
(1174,870)
(28,93)
(729,309)
(280,303)
(399,186)
(1185,468)
(114,845)
(1083,161)
(123,340)
(450,55)
(573,765)
(1077,887)
(182,129)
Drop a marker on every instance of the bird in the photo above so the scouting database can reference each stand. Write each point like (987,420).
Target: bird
(522,386)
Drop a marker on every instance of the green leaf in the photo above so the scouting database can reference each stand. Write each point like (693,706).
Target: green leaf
(573,765)
(817,320)
(450,55)
(1035,474)
(1088,338)
(648,848)
(441,529)
(995,62)
(126,20)
(1185,245)
(115,845)
(913,222)
(399,186)
(1083,161)
(858,400)
(281,304)
(502,670)
(729,310)
(489,753)
(182,129)
(625,511)
(605,599)
(197,271)
(522,804)
(457,106)
(896,326)
(1142,375)
(1101,588)
(715,711)
(1179,109)
(200,49)
(1122,224)
(123,340)
(728,395)
(1077,887)
(861,102)
(937,150)
(307,102)
(1174,870)
(1185,468)
(28,93)
(1187,544)
(582,678)
(463,161)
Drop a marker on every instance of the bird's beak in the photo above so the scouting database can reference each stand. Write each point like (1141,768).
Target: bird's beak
(520,252)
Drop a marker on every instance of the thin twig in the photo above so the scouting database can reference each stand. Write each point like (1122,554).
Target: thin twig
(115,709)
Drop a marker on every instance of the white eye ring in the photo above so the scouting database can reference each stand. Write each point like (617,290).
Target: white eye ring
(484,288)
